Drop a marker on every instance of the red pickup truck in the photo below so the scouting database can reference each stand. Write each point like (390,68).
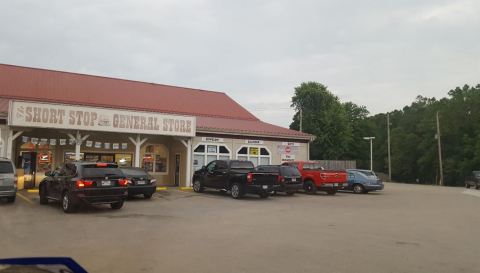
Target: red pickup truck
(315,177)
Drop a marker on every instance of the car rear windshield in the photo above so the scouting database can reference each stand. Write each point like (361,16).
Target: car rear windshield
(6,167)
(267,168)
(241,165)
(134,172)
(103,171)
(367,173)
(312,166)
(289,171)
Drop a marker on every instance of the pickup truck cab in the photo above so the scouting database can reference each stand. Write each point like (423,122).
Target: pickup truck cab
(316,178)
(473,180)
(238,177)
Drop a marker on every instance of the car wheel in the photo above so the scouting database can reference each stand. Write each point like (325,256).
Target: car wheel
(477,187)
(264,194)
(467,185)
(147,195)
(236,191)
(11,199)
(290,193)
(310,187)
(43,195)
(357,188)
(67,203)
(197,186)
(331,192)
(117,205)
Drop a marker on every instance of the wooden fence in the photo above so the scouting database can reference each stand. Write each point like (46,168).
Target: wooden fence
(338,164)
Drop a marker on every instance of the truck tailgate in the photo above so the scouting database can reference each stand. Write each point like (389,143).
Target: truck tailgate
(264,178)
(334,176)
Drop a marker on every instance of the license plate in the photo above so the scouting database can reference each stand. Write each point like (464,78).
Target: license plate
(294,180)
(335,184)
(141,182)
(265,187)
(106,183)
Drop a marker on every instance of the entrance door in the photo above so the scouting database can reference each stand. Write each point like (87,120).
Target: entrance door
(177,170)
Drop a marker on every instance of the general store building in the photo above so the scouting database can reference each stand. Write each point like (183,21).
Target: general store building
(50,117)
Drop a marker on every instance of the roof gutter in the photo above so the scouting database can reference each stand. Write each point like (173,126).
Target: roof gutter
(308,137)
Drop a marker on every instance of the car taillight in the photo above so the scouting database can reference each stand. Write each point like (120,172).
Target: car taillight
(84,184)
(123,182)
(280,178)
(15,179)
(250,178)
(102,164)
(153,181)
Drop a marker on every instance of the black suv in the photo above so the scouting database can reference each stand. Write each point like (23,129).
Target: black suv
(289,178)
(90,183)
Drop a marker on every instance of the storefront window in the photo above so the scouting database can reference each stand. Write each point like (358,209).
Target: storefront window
(206,153)
(123,160)
(256,154)
(155,159)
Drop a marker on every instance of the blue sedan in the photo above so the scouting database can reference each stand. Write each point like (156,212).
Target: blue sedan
(363,181)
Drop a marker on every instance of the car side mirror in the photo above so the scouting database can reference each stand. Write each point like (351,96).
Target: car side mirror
(204,168)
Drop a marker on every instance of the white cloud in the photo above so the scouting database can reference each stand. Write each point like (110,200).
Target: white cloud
(381,54)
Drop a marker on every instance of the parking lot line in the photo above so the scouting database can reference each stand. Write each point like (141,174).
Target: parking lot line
(162,188)
(33,191)
(472,192)
(24,198)
(185,188)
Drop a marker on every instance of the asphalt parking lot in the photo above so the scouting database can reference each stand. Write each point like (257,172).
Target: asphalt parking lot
(406,228)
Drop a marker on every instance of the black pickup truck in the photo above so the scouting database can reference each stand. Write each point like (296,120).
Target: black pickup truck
(473,180)
(238,177)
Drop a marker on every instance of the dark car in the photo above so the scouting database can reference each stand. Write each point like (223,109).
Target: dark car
(84,182)
(140,182)
(473,180)
(237,176)
(289,178)
(363,181)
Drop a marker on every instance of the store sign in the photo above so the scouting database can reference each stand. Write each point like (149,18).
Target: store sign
(254,151)
(212,139)
(295,144)
(44,115)
(283,149)
(287,157)
(253,141)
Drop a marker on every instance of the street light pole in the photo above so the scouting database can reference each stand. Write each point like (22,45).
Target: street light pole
(389,157)
(371,151)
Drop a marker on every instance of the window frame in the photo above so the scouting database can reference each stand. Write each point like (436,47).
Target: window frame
(259,156)
(154,159)
(206,153)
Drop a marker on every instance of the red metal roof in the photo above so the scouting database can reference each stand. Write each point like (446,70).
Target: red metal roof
(215,110)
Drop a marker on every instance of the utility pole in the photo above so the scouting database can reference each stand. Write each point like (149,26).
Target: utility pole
(389,158)
(301,119)
(439,151)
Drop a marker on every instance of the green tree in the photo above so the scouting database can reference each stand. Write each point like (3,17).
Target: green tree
(323,116)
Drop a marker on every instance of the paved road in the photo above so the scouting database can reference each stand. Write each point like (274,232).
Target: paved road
(407,228)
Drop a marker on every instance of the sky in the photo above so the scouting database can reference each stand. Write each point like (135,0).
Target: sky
(380,54)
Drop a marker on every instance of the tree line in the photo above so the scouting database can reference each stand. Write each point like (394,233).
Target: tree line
(339,128)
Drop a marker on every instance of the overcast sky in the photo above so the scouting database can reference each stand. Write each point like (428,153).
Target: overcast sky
(380,54)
